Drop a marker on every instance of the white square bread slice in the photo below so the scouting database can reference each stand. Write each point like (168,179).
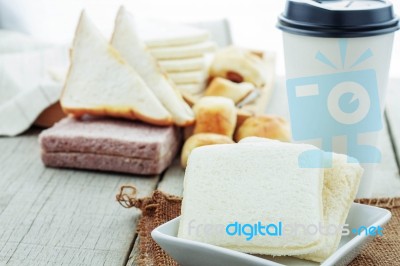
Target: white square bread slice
(100,82)
(186,51)
(189,77)
(340,188)
(127,42)
(250,183)
(183,65)
(166,34)
(191,88)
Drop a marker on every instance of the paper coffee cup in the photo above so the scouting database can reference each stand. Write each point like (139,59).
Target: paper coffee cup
(337,59)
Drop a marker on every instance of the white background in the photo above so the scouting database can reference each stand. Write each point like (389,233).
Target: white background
(252,21)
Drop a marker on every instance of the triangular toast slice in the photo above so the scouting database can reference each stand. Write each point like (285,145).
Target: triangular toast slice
(125,39)
(100,82)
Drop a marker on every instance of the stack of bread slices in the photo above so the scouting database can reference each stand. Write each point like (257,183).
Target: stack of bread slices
(260,184)
(182,52)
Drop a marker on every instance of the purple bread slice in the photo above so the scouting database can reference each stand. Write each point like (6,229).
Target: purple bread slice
(103,162)
(109,145)
(109,136)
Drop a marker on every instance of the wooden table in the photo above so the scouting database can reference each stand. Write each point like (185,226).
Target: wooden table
(64,217)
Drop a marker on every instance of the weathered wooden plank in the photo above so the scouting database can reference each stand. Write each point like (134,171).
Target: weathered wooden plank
(134,256)
(53,216)
(172,181)
(386,179)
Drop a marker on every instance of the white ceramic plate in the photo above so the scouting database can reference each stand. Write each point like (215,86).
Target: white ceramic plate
(187,252)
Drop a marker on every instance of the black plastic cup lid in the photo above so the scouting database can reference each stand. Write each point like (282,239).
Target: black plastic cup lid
(338,18)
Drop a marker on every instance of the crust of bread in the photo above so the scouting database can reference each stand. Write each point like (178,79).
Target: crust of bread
(242,115)
(127,113)
(189,99)
(188,122)
(201,139)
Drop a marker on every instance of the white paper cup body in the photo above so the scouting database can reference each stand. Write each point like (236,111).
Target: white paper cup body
(317,58)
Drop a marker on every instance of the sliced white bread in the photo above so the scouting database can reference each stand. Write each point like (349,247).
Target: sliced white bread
(187,51)
(167,34)
(250,183)
(340,188)
(126,41)
(183,65)
(189,77)
(100,82)
(191,88)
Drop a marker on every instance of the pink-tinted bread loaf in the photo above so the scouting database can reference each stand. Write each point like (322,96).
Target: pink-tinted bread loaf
(109,145)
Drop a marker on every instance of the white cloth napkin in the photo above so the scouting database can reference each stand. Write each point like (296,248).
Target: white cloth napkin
(31,77)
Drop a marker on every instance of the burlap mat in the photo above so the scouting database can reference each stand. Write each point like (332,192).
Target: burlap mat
(156,210)
(161,207)
(384,250)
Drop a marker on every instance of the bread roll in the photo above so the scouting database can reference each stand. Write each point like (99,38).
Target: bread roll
(242,115)
(238,65)
(199,140)
(226,88)
(215,115)
(265,126)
